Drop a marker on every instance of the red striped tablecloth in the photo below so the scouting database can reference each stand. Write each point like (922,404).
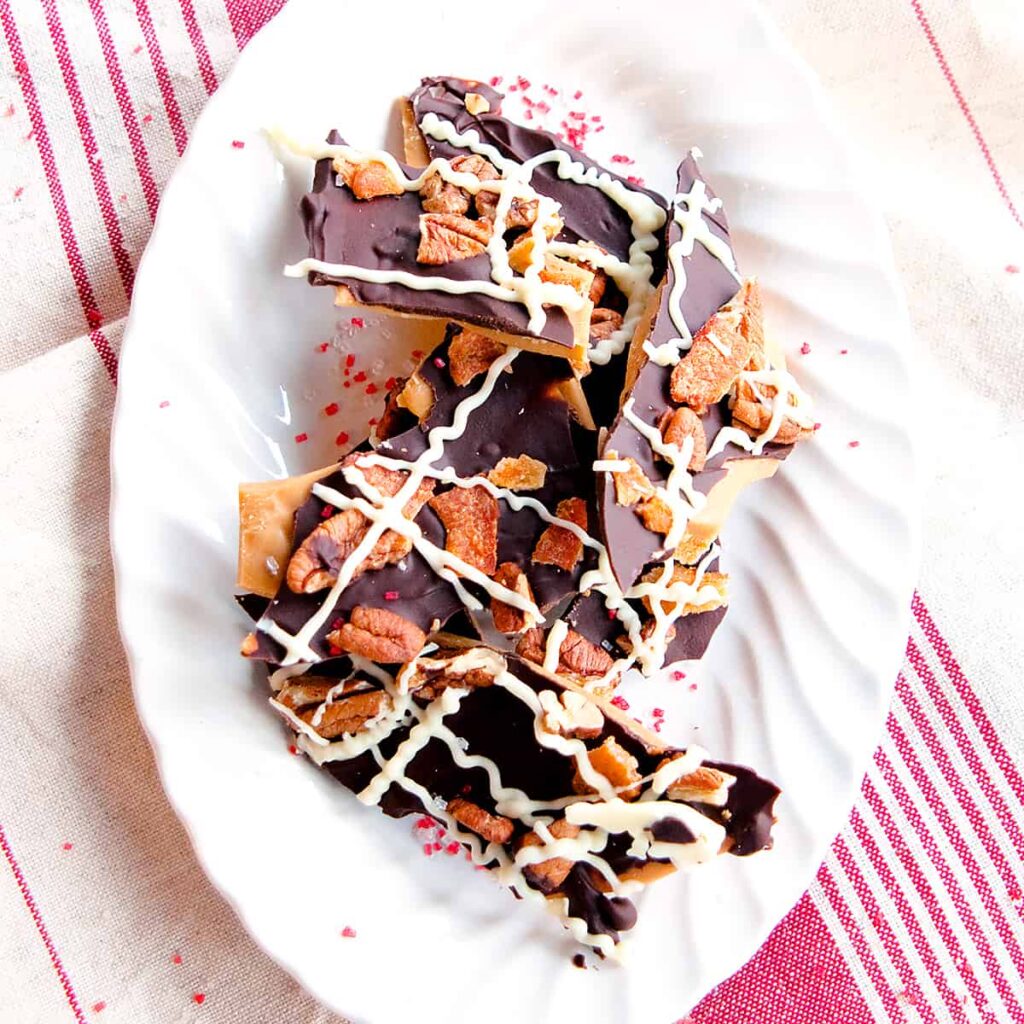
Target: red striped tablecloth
(916,914)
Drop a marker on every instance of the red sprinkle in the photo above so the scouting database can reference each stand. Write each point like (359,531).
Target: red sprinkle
(439,362)
(428,850)
(99,1007)
(333,650)
(348,933)
(817,426)
(292,749)
(621,703)
(658,712)
(164,404)
(342,438)
(331,409)
(360,377)
(176,959)
(527,115)
(31,134)
(391,595)
(358,321)
(621,158)
(198,998)
(805,349)
(1012,268)
(322,347)
(596,118)
(658,724)
(599,128)
(350,359)
(237,144)
(347,383)
(417,353)
(147,119)
(372,422)
(496,80)
(67,846)
(424,822)
(578,94)
(452,848)
(612,614)
(577,115)
(678,675)
(437,846)
(327,512)
(693,687)
(301,438)
(523,83)
(855,444)
(634,179)
(390,383)
(371,388)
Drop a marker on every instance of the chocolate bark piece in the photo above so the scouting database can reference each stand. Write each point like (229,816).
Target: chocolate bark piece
(523,414)
(666,807)
(710,299)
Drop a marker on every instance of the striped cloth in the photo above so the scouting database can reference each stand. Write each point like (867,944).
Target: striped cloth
(916,914)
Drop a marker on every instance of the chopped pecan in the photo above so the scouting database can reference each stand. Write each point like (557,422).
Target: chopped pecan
(315,564)
(417,395)
(706,785)
(559,546)
(604,323)
(581,657)
(303,693)
(446,237)
(548,875)
(430,677)
(754,416)
(678,424)
(379,635)
(523,473)
(368,179)
(470,519)
(492,827)
(570,714)
(471,353)
(631,485)
(531,646)
(686,574)
(720,350)
(473,163)
(440,196)
(617,765)
(597,286)
(507,619)
(348,714)
(656,514)
(555,270)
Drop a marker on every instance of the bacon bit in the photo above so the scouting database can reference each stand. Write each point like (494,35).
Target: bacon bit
(327,512)
(805,349)
(371,388)
(67,846)
(417,353)
(147,118)
(342,438)
(439,362)
(678,675)
(391,595)
(176,959)
(390,383)
(348,933)
(360,377)
(9,112)
(621,158)
(350,359)
(301,438)
(198,998)
(357,322)
(621,703)
(496,80)
(1012,268)
(237,144)
(99,1007)
(331,409)
(95,317)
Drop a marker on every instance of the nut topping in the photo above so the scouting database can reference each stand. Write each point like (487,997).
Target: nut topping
(548,875)
(706,785)
(678,424)
(447,237)
(379,635)
(604,323)
(470,519)
(555,270)
(617,765)
(349,714)
(631,485)
(559,546)
(656,515)
(686,574)
(523,473)
(471,353)
(368,179)
(492,827)
(577,655)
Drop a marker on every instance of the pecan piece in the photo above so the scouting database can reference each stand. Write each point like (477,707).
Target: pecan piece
(656,514)
(604,323)
(507,619)
(548,875)
(720,350)
(470,519)
(559,546)
(581,657)
(706,785)
(446,237)
(379,635)
(471,353)
(686,574)
(315,564)
(368,179)
(440,196)
(631,485)
(555,270)
(531,646)
(300,695)
(347,715)
(754,416)
(492,827)
(523,473)
(429,680)
(617,765)
(678,424)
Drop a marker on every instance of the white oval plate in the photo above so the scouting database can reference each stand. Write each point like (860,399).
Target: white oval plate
(221,369)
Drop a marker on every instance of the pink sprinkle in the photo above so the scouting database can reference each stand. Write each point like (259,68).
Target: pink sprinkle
(372,422)
(620,158)
(634,179)
(855,444)
(18,191)
(147,119)
(293,750)
(452,848)
(99,1007)
(621,703)
(439,362)
(658,712)
(334,650)
(523,83)
(347,383)
(550,90)
(164,404)
(67,846)
(693,687)
(30,136)
(391,595)
(371,388)
(424,822)
(322,347)
(348,933)
(358,321)
(612,616)
(176,959)
(496,80)
(350,360)
(327,512)
(513,87)
(437,846)
(817,426)
(599,128)
(578,94)
(543,107)
(9,112)
(428,850)
(342,438)
(577,115)
(417,353)
(658,724)
(678,675)
(198,998)
(237,144)
(843,351)
(301,438)
(805,349)
(1012,268)
(138,49)
(360,377)
(527,115)
(331,409)
(596,118)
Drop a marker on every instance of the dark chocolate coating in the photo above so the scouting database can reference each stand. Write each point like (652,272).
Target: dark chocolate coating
(709,286)
(544,774)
